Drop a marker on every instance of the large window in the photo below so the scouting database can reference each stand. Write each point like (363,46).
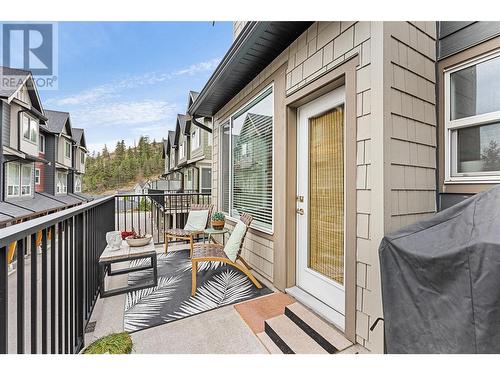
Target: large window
(30,129)
(189,179)
(195,138)
(472,119)
(13,179)
(182,150)
(61,183)
(19,179)
(26,179)
(246,147)
(78,183)
(206,180)
(67,149)
(41,144)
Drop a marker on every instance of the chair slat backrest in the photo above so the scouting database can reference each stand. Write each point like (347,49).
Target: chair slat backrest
(202,207)
(247,220)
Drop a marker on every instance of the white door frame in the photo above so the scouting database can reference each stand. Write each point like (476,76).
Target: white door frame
(324,289)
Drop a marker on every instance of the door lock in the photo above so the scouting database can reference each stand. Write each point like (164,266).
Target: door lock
(300,211)
(300,198)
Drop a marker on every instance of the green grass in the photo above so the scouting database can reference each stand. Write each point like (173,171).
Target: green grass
(116,343)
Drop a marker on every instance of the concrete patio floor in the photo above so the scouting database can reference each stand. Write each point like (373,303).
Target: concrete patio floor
(220,331)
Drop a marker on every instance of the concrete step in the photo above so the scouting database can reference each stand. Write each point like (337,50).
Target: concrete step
(271,347)
(355,349)
(324,334)
(290,338)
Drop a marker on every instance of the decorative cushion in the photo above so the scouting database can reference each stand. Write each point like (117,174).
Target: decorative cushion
(197,220)
(233,243)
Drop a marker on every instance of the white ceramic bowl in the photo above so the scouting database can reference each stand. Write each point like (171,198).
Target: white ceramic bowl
(136,242)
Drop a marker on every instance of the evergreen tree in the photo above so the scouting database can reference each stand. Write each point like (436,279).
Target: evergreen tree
(107,171)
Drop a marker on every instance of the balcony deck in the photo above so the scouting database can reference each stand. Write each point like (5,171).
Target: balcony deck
(205,333)
(51,303)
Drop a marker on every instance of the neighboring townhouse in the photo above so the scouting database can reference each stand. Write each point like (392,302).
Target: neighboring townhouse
(325,132)
(75,183)
(171,175)
(468,77)
(22,119)
(141,187)
(200,152)
(188,153)
(59,151)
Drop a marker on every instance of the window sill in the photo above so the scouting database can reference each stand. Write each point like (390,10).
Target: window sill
(30,141)
(472,180)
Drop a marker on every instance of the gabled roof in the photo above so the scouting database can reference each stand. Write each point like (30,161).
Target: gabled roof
(171,139)
(57,121)
(180,127)
(12,80)
(79,137)
(164,148)
(257,45)
(7,89)
(191,98)
(182,121)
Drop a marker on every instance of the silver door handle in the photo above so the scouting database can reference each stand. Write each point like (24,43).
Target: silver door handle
(300,211)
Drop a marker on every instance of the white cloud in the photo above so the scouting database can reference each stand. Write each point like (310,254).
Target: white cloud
(204,66)
(123,113)
(110,90)
(87,96)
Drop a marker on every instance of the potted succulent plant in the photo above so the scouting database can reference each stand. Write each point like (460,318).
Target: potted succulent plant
(218,220)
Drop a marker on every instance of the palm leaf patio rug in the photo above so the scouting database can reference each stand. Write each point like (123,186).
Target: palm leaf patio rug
(218,285)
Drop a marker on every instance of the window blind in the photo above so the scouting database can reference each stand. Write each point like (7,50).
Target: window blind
(252,162)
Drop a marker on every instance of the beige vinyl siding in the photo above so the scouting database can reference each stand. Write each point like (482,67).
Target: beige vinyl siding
(395,131)
(412,122)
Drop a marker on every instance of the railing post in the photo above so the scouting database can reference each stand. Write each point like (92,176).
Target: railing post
(34,299)
(53,252)
(80,290)
(60,253)
(4,300)
(20,296)
(44,290)
(71,249)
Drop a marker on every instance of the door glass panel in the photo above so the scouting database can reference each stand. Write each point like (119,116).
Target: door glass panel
(326,195)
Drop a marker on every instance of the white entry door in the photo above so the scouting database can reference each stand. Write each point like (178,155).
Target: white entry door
(321,200)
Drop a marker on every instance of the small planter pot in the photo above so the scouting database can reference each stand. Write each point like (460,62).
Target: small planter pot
(218,224)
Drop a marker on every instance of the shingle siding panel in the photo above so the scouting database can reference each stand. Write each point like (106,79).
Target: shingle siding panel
(5,123)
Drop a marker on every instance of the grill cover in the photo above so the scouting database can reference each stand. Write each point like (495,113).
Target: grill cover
(441,280)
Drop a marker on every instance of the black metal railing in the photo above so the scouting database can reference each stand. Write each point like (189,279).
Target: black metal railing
(57,268)
(153,213)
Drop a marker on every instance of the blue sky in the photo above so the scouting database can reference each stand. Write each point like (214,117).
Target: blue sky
(120,80)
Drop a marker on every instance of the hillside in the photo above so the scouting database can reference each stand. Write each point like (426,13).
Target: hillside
(123,167)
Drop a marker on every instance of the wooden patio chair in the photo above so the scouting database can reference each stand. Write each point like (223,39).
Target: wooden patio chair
(188,234)
(206,252)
